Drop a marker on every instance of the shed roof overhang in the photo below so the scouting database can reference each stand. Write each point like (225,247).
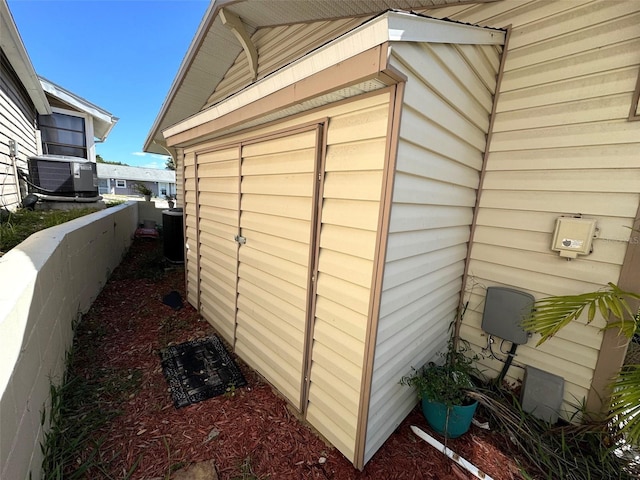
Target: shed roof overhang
(14,49)
(125,172)
(103,121)
(206,62)
(357,59)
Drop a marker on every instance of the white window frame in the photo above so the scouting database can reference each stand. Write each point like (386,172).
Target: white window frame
(119,185)
(88,129)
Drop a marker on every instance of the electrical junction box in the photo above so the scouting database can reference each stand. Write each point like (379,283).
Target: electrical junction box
(542,394)
(504,310)
(573,236)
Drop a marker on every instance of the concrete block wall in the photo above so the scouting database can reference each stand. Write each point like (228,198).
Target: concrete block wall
(46,283)
(150,211)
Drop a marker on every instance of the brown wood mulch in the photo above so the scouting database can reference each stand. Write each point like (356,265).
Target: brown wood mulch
(250,433)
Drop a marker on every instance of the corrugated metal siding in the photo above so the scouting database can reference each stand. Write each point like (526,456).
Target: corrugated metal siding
(14,125)
(562,145)
(445,118)
(351,202)
(218,195)
(277,47)
(277,208)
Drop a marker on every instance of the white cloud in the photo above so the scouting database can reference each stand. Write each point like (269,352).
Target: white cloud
(150,155)
(152,165)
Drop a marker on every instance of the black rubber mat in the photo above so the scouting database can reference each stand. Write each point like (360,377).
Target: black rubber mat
(198,370)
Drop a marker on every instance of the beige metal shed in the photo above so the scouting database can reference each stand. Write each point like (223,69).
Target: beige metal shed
(328,208)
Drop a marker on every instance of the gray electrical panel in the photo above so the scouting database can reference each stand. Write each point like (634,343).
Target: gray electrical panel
(504,310)
(542,394)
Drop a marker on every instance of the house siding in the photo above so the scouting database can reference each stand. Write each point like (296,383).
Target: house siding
(17,122)
(561,145)
(445,119)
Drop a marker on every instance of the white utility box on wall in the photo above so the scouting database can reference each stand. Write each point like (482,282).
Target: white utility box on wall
(573,236)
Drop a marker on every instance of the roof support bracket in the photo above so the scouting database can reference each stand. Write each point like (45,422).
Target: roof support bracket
(233,23)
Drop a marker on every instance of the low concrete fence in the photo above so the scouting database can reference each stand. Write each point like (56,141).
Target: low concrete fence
(47,282)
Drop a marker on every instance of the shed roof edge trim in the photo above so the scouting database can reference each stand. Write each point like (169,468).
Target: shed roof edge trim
(369,35)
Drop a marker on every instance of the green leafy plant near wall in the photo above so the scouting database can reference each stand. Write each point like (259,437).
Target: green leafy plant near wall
(448,383)
(142,189)
(551,314)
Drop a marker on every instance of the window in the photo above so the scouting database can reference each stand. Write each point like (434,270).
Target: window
(121,184)
(63,135)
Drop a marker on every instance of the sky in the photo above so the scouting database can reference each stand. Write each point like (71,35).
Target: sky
(121,55)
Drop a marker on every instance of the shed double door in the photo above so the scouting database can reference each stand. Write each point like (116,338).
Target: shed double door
(260,297)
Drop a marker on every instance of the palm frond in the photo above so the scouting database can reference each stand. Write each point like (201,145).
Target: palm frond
(551,314)
(625,403)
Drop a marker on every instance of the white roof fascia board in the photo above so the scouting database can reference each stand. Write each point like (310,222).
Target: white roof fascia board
(369,35)
(406,27)
(126,172)
(104,120)
(14,49)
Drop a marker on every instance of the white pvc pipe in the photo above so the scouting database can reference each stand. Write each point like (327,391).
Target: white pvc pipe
(450,453)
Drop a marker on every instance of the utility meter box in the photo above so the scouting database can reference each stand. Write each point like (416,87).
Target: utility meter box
(573,236)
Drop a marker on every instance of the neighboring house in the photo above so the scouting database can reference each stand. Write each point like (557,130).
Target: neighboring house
(121,180)
(74,124)
(351,176)
(38,117)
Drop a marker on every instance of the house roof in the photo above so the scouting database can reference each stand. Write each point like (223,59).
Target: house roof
(103,121)
(121,172)
(205,64)
(13,48)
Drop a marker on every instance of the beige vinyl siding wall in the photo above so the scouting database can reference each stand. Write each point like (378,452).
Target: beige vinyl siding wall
(355,155)
(278,179)
(13,126)
(218,198)
(356,146)
(445,117)
(277,47)
(562,145)
(178,158)
(191,228)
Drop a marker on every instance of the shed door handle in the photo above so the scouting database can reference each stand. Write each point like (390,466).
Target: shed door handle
(240,239)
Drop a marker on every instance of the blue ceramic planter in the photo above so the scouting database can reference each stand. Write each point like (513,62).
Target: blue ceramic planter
(460,417)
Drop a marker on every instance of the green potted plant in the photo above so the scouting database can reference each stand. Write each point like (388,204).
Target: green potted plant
(142,189)
(443,389)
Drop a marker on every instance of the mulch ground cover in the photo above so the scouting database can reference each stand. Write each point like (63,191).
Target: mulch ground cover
(249,432)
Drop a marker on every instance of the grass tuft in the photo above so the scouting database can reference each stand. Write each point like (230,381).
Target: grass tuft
(16,227)
(570,452)
(80,407)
